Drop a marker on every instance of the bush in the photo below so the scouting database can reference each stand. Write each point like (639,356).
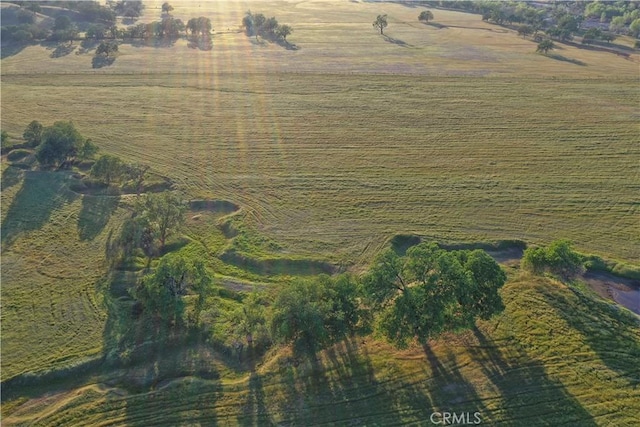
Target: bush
(558,259)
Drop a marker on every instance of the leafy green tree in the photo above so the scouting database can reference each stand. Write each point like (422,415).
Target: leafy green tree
(107,49)
(60,143)
(250,320)
(161,293)
(248,23)
(136,172)
(381,23)
(545,46)
(107,169)
(558,258)
(298,316)
(430,291)
(166,213)
(89,149)
(96,31)
(258,22)
(33,133)
(425,16)
(525,30)
(634,28)
(62,22)
(5,137)
(283,31)
(167,8)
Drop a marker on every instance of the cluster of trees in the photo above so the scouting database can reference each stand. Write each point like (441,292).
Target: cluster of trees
(622,16)
(199,27)
(161,293)
(110,169)
(155,217)
(256,24)
(427,292)
(558,259)
(58,144)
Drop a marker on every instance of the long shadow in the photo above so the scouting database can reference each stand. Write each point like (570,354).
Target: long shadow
(11,49)
(565,59)
(614,338)
(10,177)
(340,388)
(95,214)
(398,42)
(436,25)
(41,193)
(528,395)
(255,411)
(99,61)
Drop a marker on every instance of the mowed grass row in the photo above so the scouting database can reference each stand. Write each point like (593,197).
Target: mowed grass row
(334,165)
(554,357)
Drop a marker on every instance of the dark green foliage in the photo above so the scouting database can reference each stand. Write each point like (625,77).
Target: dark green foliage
(558,258)
(166,8)
(311,314)
(107,49)
(96,31)
(60,142)
(430,291)
(62,22)
(107,169)
(545,46)
(33,133)
(199,26)
(268,28)
(249,321)
(161,293)
(425,16)
(165,212)
(89,149)
(5,137)
(381,23)
(524,30)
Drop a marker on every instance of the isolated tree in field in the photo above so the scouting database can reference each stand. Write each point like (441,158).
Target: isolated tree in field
(430,291)
(107,169)
(199,25)
(283,31)
(167,8)
(545,46)
(107,49)
(166,213)
(60,142)
(380,23)
(425,16)
(33,133)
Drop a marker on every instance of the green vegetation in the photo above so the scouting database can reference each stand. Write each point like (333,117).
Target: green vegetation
(190,292)
(426,16)
(431,291)
(381,23)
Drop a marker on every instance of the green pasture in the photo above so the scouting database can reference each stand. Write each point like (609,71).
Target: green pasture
(456,132)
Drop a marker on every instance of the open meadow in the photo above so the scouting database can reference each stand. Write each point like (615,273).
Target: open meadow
(326,149)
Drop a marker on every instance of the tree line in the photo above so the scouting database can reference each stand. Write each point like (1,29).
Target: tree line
(256,24)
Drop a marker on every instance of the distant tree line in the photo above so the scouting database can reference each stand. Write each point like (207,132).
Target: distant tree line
(256,24)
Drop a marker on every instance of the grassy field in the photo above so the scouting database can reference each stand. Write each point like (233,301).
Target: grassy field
(457,132)
(555,357)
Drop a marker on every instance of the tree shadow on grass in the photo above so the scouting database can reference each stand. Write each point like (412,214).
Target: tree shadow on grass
(11,49)
(436,25)
(528,395)
(397,42)
(565,59)
(41,193)
(613,337)
(10,177)
(100,61)
(95,214)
